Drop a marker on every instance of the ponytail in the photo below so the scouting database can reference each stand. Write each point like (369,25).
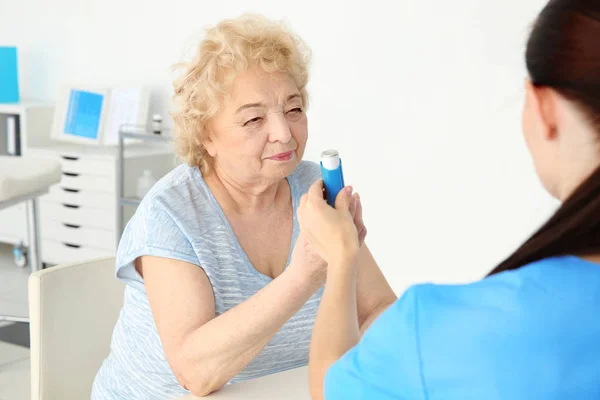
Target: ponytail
(573,229)
(563,53)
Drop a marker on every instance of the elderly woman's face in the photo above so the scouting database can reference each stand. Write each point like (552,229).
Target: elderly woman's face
(260,133)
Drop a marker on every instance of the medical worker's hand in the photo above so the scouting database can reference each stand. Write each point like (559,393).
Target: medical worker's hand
(331,231)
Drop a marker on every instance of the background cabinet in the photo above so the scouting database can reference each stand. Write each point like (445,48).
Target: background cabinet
(79,217)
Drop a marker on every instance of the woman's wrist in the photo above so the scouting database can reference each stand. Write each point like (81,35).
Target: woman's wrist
(304,277)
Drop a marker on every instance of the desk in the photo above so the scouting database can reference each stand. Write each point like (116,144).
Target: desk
(288,385)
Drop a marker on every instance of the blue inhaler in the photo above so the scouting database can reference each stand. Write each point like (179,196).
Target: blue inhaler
(333,178)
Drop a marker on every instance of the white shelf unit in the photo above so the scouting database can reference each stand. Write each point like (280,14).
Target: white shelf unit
(80,218)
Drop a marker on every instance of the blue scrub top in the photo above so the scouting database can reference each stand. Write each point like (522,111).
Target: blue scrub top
(533,333)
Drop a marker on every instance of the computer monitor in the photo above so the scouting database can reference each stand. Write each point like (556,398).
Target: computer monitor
(92,115)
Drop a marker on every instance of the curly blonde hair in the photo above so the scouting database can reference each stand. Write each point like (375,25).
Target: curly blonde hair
(228,48)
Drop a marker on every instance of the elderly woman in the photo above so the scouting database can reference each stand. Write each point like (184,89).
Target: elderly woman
(221,287)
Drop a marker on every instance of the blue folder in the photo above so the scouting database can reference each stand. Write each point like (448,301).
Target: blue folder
(9,77)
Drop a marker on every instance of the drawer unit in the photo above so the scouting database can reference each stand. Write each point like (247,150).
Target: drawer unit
(87,217)
(92,183)
(64,252)
(64,195)
(78,235)
(78,217)
(77,165)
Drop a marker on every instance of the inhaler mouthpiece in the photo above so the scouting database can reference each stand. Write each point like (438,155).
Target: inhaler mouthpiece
(330,159)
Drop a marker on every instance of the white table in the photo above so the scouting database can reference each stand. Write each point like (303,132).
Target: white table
(288,385)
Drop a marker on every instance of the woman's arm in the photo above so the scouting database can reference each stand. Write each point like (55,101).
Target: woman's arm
(205,352)
(336,326)
(374,294)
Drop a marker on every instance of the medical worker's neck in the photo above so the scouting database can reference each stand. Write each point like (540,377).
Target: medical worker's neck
(573,177)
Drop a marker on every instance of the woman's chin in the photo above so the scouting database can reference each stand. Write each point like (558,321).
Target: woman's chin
(287,169)
(283,168)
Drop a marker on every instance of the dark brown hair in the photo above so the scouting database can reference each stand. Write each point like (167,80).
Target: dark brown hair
(563,53)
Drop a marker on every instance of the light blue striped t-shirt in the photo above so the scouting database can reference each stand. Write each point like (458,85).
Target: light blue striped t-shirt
(180,219)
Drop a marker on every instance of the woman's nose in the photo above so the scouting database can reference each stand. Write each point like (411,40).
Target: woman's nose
(279,129)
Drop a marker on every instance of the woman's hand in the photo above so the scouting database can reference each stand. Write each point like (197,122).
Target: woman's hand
(308,261)
(356,212)
(332,232)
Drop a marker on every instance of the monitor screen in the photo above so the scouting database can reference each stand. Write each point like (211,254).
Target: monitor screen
(84,111)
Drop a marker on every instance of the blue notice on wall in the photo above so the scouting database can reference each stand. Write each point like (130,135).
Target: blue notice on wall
(9,78)
(83,114)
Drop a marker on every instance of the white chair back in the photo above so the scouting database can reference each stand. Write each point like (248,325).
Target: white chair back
(72,309)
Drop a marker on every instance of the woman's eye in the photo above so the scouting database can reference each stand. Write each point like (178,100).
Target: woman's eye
(253,120)
(296,110)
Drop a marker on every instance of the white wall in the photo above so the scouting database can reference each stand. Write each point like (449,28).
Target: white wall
(421,98)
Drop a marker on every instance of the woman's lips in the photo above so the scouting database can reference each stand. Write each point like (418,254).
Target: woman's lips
(282,157)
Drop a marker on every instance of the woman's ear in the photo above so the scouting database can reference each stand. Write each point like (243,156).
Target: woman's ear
(207,141)
(542,105)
